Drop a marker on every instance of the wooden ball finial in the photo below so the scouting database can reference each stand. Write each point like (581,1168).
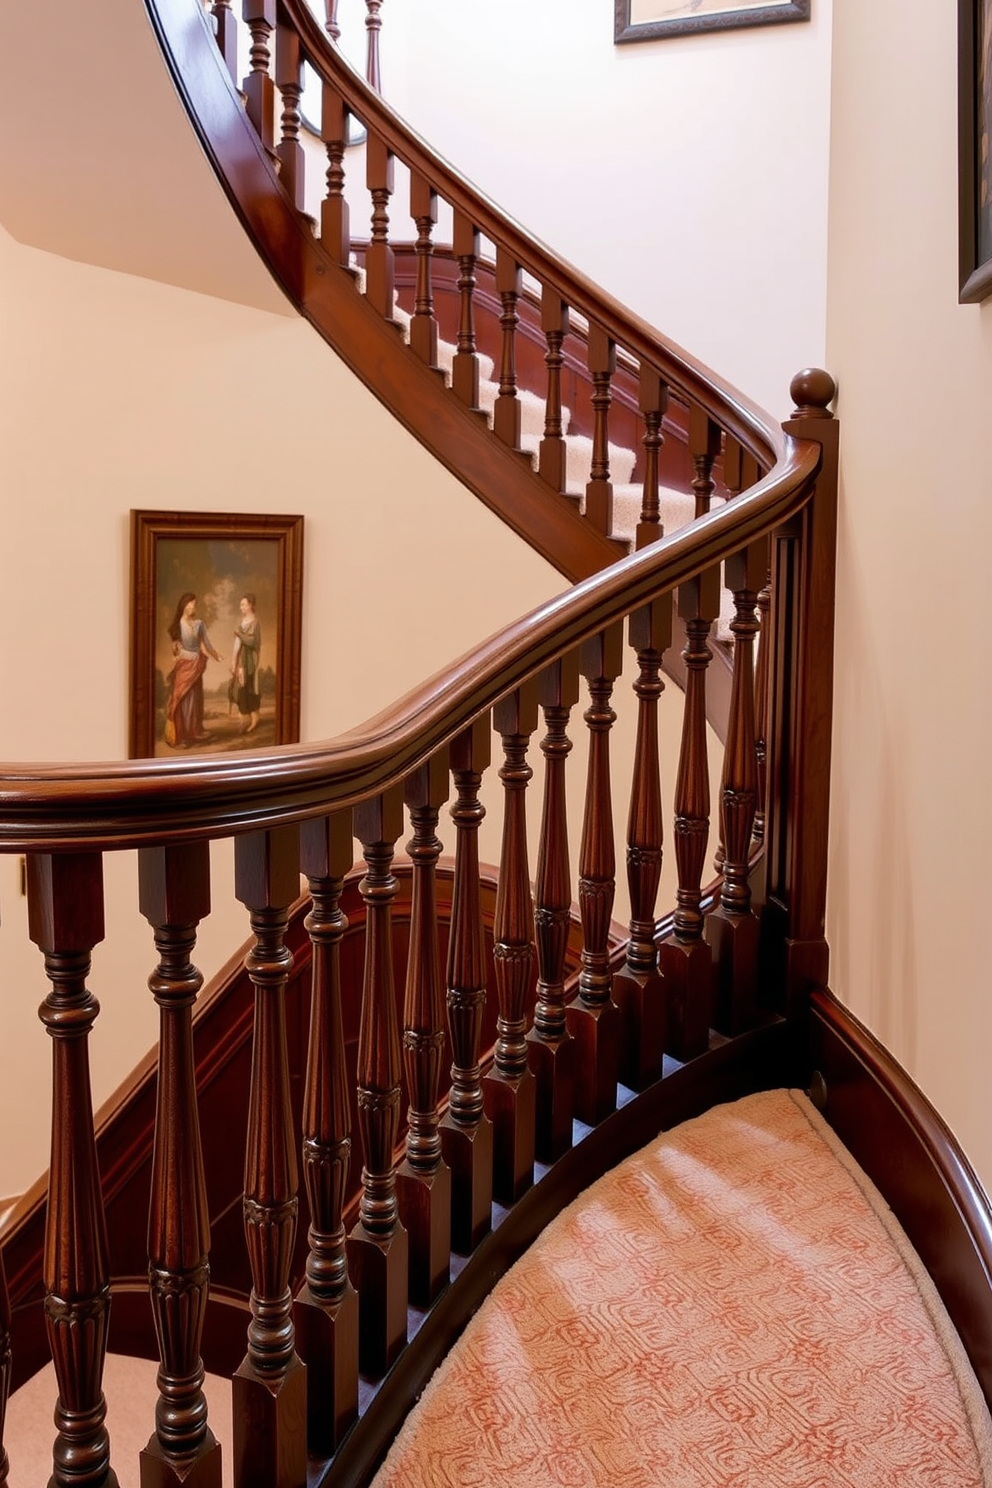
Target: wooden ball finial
(812,390)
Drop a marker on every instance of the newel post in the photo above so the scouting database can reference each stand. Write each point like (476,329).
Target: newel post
(800,707)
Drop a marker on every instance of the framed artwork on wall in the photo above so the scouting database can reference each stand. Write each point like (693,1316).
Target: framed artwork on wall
(974,150)
(216,618)
(647,20)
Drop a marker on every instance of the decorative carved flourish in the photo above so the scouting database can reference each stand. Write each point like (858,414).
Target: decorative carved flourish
(65,915)
(174,892)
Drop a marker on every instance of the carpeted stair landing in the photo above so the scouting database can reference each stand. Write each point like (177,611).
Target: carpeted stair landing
(733,1307)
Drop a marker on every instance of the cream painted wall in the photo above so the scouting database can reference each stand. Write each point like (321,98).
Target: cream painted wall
(116,392)
(911,817)
(688,176)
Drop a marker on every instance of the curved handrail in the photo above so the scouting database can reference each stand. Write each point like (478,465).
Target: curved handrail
(132,804)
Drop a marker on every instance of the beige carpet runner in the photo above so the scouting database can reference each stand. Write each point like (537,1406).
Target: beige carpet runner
(733,1307)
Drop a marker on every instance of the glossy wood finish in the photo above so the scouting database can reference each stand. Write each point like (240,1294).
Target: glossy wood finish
(289,81)
(226,30)
(257,87)
(174,896)
(423,1182)
(270,1385)
(593,1019)
(377,1246)
(5,1370)
(599,488)
(509,1089)
(465,367)
(653,402)
(466,1132)
(423,327)
(379,177)
(554,324)
(506,414)
(373,26)
(325,1310)
(65,921)
(551,1047)
(335,220)
(637,988)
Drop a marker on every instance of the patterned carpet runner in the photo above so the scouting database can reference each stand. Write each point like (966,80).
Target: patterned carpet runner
(733,1307)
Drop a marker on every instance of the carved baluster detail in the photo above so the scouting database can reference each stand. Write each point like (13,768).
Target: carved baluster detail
(732,928)
(423,1181)
(226,31)
(5,1363)
(637,987)
(377,1246)
(552,456)
(761,707)
(599,489)
(423,326)
(331,23)
(270,1385)
(466,1133)
(289,81)
(733,457)
(593,1018)
(260,96)
(174,896)
(465,367)
(335,227)
(379,271)
(506,414)
(551,1047)
(684,958)
(373,25)
(326,1307)
(704,446)
(65,920)
(653,403)
(509,1087)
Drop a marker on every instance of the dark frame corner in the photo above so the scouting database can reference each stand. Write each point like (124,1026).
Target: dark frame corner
(974,39)
(732,19)
(148,528)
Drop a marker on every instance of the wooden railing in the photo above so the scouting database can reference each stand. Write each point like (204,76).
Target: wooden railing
(430,1170)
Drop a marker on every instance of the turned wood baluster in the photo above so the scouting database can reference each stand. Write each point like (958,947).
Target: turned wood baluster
(761,708)
(258,88)
(5,1362)
(423,326)
(506,414)
(509,1087)
(551,1047)
(732,928)
(289,81)
(653,403)
(226,31)
(704,446)
(593,1018)
(379,270)
(684,958)
(552,458)
(377,1246)
(174,896)
(465,367)
(326,1307)
(637,987)
(423,1181)
(335,227)
(599,489)
(65,920)
(466,1133)
(270,1385)
(331,23)
(373,25)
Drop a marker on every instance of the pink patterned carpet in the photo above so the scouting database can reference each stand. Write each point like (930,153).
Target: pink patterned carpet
(733,1307)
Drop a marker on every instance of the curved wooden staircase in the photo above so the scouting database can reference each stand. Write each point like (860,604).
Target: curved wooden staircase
(316,1045)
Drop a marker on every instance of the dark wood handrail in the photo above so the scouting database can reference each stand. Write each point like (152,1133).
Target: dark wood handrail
(736,413)
(140,803)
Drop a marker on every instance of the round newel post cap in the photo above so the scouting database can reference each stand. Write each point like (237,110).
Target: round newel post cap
(812,390)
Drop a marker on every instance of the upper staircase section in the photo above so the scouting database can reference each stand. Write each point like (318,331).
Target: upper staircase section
(475,280)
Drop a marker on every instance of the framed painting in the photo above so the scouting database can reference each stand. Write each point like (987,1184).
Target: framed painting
(216,615)
(974,151)
(647,20)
